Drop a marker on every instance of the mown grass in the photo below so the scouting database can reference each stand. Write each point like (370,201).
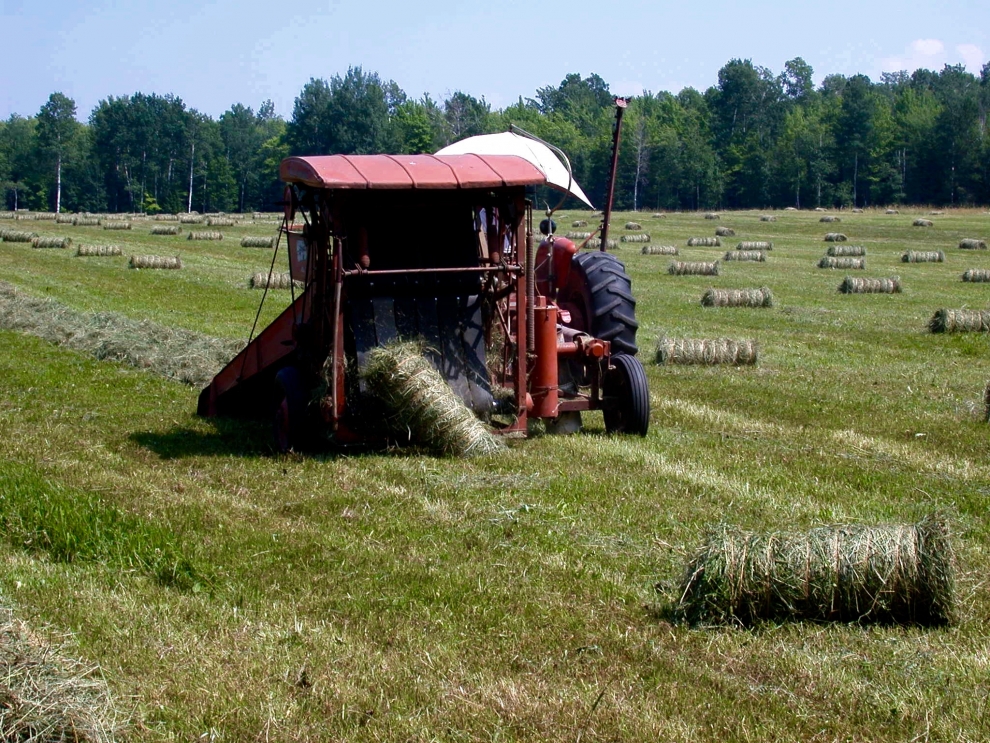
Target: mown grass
(397,596)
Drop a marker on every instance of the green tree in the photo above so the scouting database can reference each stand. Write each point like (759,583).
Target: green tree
(57,126)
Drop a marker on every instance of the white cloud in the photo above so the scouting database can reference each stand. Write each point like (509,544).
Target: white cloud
(626,88)
(927,47)
(972,57)
(920,53)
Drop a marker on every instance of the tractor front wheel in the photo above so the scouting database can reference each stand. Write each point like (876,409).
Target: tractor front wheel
(289,410)
(626,403)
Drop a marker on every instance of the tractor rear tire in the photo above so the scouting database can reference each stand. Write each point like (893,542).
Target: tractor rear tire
(290,409)
(599,297)
(626,397)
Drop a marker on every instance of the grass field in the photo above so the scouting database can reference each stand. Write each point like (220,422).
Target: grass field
(230,594)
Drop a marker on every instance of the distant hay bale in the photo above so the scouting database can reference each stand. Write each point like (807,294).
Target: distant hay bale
(857,211)
(790,208)
(848,250)
(644,238)
(7,215)
(936,213)
(706,351)
(64,218)
(205,236)
(704,242)
(577,235)
(923,256)
(845,573)
(971,243)
(257,242)
(891,211)
(220,222)
(51,242)
(660,250)
(960,321)
(155,261)
(166,217)
(190,219)
(115,225)
(830,261)
(263,279)
(755,245)
(423,408)
(595,243)
(633,226)
(26,217)
(659,215)
(976,274)
(579,223)
(745,255)
(725,232)
(17,236)
(712,215)
(820,209)
(166,229)
(768,218)
(835,237)
(91,250)
(46,216)
(86,222)
(693,268)
(830,218)
(922,223)
(761,297)
(852,285)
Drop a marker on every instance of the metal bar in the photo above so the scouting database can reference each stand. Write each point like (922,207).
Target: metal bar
(406,271)
(620,107)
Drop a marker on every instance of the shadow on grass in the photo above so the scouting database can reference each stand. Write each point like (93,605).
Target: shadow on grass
(230,437)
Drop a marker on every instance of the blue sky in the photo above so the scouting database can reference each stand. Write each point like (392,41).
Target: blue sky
(215,54)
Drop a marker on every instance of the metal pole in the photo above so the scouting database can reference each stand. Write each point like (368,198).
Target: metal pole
(620,107)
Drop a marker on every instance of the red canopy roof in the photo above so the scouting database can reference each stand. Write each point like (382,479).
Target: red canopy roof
(411,171)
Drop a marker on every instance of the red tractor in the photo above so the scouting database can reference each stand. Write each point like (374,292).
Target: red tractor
(438,248)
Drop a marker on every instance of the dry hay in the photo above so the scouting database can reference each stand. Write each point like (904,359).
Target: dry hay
(51,242)
(937,213)
(725,232)
(166,217)
(746,255)
(595,243)
(971,243)
(577,235)
(922,223)
(257,242)
(840,250)
(64,218)
(761,297)
(830,218)
(423,408)
(693,268)
(659,215)
(704,242)
(923,256)
(155,261)
(579,223)
(857,210)
(830,261)
(891,211)
(7,215)
(221,222)
(644,238)
(17,236)
(960,321)
(205,236)
(852,285)
(706,351)
(767,218)
(46,216)
(712,215)
(90,250)
(25,217)
(835,237)
(166,229)
(86,222)
(903,573)
(264,280)
(170,352)
(820,209)
(755,245)
(660,250)
(976,274)
(190,219)
(633,226)
(116,225)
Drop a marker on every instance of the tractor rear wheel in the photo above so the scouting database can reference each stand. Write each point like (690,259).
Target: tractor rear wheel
(289,410)
(598,295)
(626,393)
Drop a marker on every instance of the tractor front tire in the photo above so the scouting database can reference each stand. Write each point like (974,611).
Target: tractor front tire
(626,397)
(598,295)
(290,410)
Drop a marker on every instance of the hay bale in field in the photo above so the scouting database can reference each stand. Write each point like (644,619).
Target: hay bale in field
(205,236)
(923,256)
(64,218)
(86,222)
(166,217)
(424,409)
(976,274)
(820,209)
(595,243)
(115,225)
(846,573)
(46,216)
(835,237)
(633,226)
(712,215)
(264,280)
(98,250)
(166,229)
(790,208)
(51,242)
(660,250)
(706,351)
(891,211)
(220,222)
(725,232)
(644,238)
(755,245)
(745,255)
(190,219)
(17,236)
(971,243)
(922,223)
(577,235)
(830,218)
(847,250)
(155,261)
(693,268)
(659,215)
(767,218)
(852,285)
(936,213)
(7,215)
(579,223)
(704,242)
(831,261)
(257,242)
(857,211)
(761,297)
(960,321)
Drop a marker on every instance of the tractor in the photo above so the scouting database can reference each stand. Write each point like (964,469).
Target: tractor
(440,249)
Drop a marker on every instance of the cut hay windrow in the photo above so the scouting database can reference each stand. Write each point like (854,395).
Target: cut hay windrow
(922,223)
(643,238)
(51,242)
(767,218)
(257,242)
(221,222)
(633,226)
(86,222)
(116,225)
(923,256)
(846,250)
(166,217)
(155,261)
(706,351)
(761,297)
(960,321)
(830,218)
(205,236)
(891,211)
(971,243)
(830,261)
(264,280)
(171,352)
(745,255)
(660,250)
(190,219)
(755,245)
(704,242)
(976,274)
(595,243)
(835,237)
(579,223)
(712,215)
(17,236)
(841,573)
(693,268)
(423,408)
(725,232)
(852,285)
(577,235)
(166,229)
(97,250)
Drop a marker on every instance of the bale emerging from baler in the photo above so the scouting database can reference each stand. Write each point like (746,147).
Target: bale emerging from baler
(847,573)
(706,351)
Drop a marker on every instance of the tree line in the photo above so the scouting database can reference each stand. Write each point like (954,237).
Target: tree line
(754,140)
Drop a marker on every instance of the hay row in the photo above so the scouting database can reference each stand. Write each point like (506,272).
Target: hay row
(91,250)
(830,261)
(155,261)
(960,321)
(644,238)
(835,237)
(761,297)
(706,351)
(257,242)
(976,274)
(264,280)
(693,268)
(830,218)
(971,243)
(745,255)
(923,256)
(725,232)
(579,223)
(922,223)
(116,225)
(51,242)
(635,226)
(166,229)
(17,236)
(846,250)
(755,245)
(704,242)
(660,250)
(205,236)
(852,285)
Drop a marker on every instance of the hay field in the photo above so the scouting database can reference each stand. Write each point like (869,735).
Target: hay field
(527,596)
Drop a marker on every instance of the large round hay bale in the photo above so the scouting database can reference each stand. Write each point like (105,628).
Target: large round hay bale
(220,222)
(17,236)
(595,243)
(190,219)
(659,215)
(922,223)
(852,285)
(712,215)
(660,250)
(936,213)
(725,232)
(830,218)
(633,226)
(97,250)
(835,237)
(745,255)
(64,218)
(643,238)
(971,243)
(51,242)
(847,250)
(579,223)
(706,351)
(208,235)
(923,256)
(693,268)
(166,217)
(257,242)
(768,218)
(86,222)
(976,274)
(165,229)
(155,261)
(264,280)
(857,210)
(755,245)
(116,225)
(960,321)
(577,235)
(761,297)
(891,211)
(830,261)
(704,242)
(820,209)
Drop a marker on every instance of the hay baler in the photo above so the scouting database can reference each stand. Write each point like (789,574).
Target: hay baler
(439,249)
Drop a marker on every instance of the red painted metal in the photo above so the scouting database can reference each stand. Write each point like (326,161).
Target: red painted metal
(543,378)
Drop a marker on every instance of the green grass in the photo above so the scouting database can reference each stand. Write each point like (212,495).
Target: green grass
(397,596)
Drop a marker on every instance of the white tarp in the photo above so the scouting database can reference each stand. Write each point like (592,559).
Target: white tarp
(508,143)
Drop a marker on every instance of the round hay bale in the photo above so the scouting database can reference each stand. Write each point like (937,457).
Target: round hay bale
(579,223)
(595,243)
(830,218)
(51,242)
(857,210)
(633,226)
(704,242)
(64,218)
(660,250)
(835,237)
(761,297)
(165,229)
(205,236)
(922,223)
(693,268)
(17,236)
(745,255)
(850,250)
(971,243)
(116,225)
(936,213)
(577,235)
(644,238)
(659,215)
(706,351)
(86,222)
(846,573)
(46,216)
(830,261)
(155,261)
(97,250)
(220,222)
(755,245)
(790,208)
(891,211)
(768,218)
(725,232)
(257,242)
(166,217)
(852,285)
(264,280)
(820,209)
(960,321)
(976,274)
(712,215)
(923,256)
(190,219)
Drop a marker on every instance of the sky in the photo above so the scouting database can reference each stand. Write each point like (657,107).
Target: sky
(213,54)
